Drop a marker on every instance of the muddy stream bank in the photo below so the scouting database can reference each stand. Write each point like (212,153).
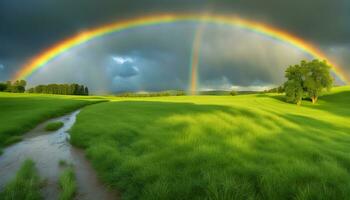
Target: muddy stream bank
(46,149)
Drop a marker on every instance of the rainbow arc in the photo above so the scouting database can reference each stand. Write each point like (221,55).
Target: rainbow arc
(49,54)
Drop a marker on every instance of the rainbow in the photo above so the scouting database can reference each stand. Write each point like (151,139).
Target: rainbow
(196,46)
(49,54)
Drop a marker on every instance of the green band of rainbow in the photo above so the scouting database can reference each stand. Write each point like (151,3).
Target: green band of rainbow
(43,58)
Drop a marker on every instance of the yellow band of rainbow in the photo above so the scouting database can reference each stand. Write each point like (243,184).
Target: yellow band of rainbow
(43,58)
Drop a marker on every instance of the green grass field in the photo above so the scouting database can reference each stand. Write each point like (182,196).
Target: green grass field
(21,112)
(203,147)
(220,147)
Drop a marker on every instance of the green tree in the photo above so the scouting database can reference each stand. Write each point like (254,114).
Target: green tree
(3,86)
(31,90)
(280,89)
(64,89)
(8,86)
(18,86)
(22,83)
(308,79)
(294,85)
(81,90)
(74,89)
(233,93)
(86,91)
(317,79)
(294,91)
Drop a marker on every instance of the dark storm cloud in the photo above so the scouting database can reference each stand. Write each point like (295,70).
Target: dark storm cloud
(240,57)
(320,21)
(341,53)
(159,57)
(38,23)
(160,53)
(28,27)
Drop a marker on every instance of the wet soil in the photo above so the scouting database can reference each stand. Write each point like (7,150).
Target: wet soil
(46,149)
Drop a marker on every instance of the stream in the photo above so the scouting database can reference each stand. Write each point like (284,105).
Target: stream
(46,149)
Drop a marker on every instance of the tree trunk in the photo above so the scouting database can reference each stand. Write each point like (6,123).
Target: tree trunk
(314,99)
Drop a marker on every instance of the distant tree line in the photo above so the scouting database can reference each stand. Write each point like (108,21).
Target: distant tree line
(18,86)
(233,93)
(64,89)
(153,94)
(279,89)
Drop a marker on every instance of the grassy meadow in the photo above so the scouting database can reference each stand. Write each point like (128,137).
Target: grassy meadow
(220,147)
(252,146)
(21,112)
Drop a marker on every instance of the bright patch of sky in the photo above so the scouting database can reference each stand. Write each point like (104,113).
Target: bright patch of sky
(122,60)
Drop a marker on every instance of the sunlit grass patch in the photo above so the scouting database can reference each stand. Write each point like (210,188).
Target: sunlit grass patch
(222,147)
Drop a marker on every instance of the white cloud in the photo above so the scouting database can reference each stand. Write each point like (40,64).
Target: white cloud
(124,67)
(122,60)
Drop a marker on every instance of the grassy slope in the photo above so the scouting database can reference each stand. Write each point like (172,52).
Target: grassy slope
(22,112)
(241,147)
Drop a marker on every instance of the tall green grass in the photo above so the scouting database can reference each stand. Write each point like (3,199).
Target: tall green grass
(21,112)
(53,126)
(68,185)
(241,147)
(26,185)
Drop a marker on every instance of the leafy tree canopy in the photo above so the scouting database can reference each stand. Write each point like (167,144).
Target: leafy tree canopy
(308,79)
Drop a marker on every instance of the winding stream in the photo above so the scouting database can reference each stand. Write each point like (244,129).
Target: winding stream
(46,149)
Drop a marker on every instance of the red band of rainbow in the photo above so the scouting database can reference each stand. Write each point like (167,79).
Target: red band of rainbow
(46,56)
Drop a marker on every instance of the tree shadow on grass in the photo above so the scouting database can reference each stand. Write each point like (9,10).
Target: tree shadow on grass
(338,103)
(135,116)
(143,113)
(315,130)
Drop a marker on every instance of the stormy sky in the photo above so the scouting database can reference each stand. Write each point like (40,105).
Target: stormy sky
(158,57)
